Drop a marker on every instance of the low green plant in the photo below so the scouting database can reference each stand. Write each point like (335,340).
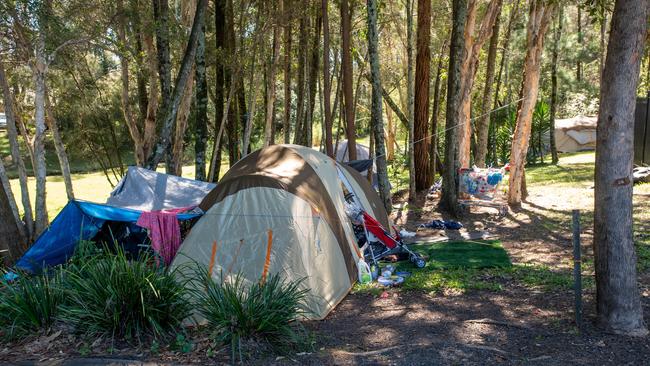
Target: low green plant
(127,299)
(266,312)
(29,304)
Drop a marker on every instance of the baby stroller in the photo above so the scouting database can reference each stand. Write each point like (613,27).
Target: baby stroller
(376,242)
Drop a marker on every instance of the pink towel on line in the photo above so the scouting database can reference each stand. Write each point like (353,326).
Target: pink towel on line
(164,231)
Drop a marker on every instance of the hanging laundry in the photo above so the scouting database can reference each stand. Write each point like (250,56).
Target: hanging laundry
(164,231)
(441,225)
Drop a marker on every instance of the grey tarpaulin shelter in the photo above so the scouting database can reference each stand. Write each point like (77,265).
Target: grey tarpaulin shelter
(145,190)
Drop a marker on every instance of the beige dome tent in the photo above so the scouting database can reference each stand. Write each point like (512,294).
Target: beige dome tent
(575,134)
(282,210)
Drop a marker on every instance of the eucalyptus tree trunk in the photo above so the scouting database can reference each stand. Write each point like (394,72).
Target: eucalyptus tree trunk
(433,147)
(39,69)
(12,233)
(286,127)
(580,42)
(16,158)
(327,86)
(540,15)
(422,65)
(617,290)
(302,63)
(270,102)
(449,198)
(473,44)
(201,118)
(220,85)
(410,89)
(556,41)
(182,118)
(483,123)
(313,77)
(346,65)
(376,109)
(59,147)
(163,146)
(161,21)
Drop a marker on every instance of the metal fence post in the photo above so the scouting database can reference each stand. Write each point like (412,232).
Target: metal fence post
(577,272)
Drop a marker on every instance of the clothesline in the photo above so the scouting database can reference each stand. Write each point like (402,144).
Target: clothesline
(457,125)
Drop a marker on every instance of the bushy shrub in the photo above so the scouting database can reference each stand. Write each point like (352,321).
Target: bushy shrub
(264,312)
(109,294)
(29,304)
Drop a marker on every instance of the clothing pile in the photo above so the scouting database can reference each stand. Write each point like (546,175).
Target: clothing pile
(441,225)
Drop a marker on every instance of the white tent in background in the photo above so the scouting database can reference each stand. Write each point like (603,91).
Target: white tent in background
(575,134)
(342,154)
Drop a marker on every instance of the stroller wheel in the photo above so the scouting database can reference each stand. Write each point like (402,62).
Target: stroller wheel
(418,261)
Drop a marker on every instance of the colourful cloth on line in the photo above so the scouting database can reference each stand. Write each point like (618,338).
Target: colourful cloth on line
(164,231)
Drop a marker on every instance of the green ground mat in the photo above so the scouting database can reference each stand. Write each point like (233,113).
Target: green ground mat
(464,254)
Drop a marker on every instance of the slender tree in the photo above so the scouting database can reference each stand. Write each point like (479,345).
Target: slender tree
(270,103)
(346,53)
(59,147)
(410,90)
(483,123)
(617,291)
(540,15)
(12,237)
(449,198)
(557,36)
(420,131)
(327,85)
(287,72)
(201,117)
(302,66)
(376,109)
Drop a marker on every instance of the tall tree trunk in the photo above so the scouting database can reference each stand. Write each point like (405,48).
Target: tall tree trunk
(617,290)
(602,24)
(346,53)
(286,128)
(302,63)
(506,46)
(376,109)
(39,69)
(161,21)
(540,16)
(16,158)
(449,198)
(327,87)
(163,146)
(12,233)
(220,85)
(557,36)
(313,77)
(59,147)
(410,90)
(149,134)
(483,123)
(201,118)
(178,147)
(473,45)
(433,147)
(423,59)
(580,42)
(390,134)
(270,103)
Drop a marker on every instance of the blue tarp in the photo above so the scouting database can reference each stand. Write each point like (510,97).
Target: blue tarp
(79,220)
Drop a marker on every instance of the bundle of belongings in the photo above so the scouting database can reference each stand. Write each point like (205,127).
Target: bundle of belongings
(146,211)
(480,183)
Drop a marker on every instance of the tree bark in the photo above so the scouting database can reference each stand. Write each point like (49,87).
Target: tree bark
(39,69)
(540,16)
(12,237)
(16,158)
(617,293)
(506,46)
(302,63)
(308,130)
(473,45)
(556,42)
(433,146)
(270,103)
(376,109)
(178,147)
(287,73)
(346,53)
(161,20)
(483,124)
(59,147)
(580,41)
(420,130)
(201,119)
(410,89)
(449,198)
(327,87)
(163,146)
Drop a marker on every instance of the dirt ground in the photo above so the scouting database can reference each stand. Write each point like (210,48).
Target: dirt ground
(517,325)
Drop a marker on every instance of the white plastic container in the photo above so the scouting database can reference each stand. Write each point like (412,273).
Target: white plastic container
(365,275)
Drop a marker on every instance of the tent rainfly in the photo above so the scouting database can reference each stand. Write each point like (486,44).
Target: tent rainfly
(282,210)
(575,134)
